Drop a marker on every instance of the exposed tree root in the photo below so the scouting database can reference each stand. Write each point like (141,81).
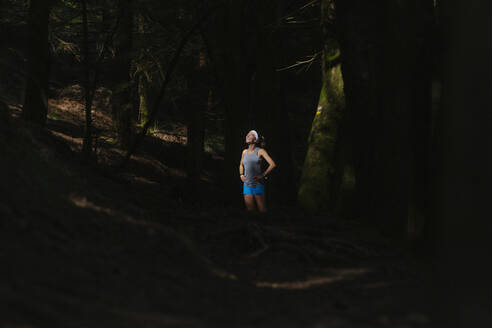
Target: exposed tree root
(311,244)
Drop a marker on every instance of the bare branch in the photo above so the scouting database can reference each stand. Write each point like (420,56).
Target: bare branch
(170,70)
(307,62)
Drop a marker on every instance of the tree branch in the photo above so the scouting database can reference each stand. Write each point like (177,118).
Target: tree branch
(170,70)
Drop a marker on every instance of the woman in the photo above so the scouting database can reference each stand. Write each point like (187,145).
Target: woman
(251,175)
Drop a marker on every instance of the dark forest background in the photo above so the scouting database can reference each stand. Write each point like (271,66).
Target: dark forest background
(121,129)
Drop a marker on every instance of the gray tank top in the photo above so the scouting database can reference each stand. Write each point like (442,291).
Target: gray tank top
(252,168)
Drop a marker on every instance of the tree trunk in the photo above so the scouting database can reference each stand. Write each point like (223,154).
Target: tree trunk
(403,148)
(388,100)
(357,29)
(35,107)
(251,87)
(4,117)
(395,161)
(143,96)
(232,69)
(319,165)
(143,74)
(422,120)
(122,105)
(198,91)
(464,159)
(267,111)
(88,86)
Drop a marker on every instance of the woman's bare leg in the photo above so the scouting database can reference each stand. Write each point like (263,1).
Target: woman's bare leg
(261,203)
(249,201)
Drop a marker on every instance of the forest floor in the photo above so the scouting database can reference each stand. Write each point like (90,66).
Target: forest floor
(88,245)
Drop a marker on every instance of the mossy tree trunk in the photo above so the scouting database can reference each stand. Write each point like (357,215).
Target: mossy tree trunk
(319,164)
(142,73)
(143,97)
(123,112)
(35,107)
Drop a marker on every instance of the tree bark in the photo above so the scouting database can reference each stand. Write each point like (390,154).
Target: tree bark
(143,96)
(230,53)
(395,162)
(406,111)
(319,165)
(267,112)
(35,107)
(198,91)
(357,29)
(89,87)
(4,116)
(143,74)
(123,112)
(464,158)
(388,104)
(166,79)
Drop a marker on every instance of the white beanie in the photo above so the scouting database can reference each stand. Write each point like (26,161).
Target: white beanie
(255,133)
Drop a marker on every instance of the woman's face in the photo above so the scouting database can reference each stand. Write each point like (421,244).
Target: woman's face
(250,138)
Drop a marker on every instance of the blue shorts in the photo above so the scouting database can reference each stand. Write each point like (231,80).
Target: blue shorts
(256,190)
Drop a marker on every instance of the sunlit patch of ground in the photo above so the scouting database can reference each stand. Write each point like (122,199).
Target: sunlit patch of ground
(66,120)
(309,282)
(170,137)
(70,106)
(83,202)
(74,142)
(66,109)
(144,180)
(15,109)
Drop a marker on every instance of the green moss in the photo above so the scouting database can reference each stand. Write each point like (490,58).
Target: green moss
(111,140)
(54,115)
(313,194)
(143,95)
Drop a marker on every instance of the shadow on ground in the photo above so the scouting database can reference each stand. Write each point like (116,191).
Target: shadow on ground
(88,245)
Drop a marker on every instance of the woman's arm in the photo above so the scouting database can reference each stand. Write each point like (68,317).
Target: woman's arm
(271,164)
(241,167)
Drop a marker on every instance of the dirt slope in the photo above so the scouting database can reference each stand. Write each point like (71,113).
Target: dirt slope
(90,246)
